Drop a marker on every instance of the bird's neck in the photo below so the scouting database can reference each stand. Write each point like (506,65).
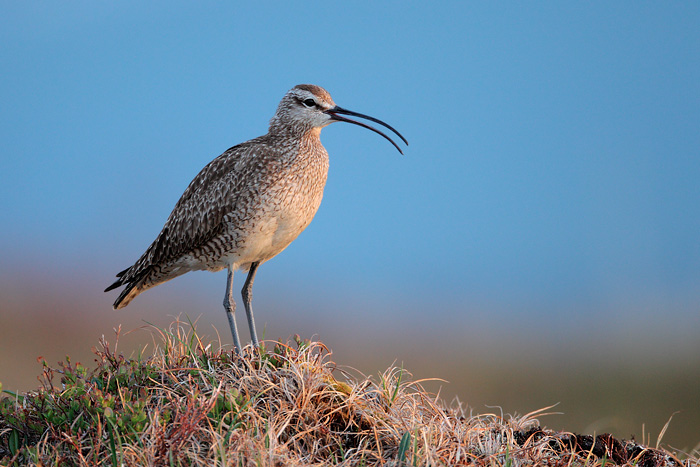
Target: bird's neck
(292,130)
(292,136)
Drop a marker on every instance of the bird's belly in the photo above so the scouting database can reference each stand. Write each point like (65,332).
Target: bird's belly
(270,233)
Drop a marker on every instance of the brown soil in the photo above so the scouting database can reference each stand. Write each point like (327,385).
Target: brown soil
(616,451)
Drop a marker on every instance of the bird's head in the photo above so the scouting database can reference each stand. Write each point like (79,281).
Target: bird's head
(306,107)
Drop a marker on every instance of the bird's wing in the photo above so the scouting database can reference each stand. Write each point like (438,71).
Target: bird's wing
(197,217)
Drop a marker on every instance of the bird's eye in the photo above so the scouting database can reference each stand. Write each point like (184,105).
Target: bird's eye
(309,102)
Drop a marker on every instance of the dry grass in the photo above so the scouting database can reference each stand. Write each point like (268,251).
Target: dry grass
(287,405)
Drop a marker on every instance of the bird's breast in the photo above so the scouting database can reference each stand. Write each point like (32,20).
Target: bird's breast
(286,205)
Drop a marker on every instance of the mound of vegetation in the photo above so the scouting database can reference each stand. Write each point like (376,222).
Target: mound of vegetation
(284,405)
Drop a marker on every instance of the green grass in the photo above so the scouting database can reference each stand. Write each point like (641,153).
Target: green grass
(192,404)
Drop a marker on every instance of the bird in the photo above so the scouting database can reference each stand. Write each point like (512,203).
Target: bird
(248,204)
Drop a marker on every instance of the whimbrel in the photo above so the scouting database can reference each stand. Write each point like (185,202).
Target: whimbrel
(248,204)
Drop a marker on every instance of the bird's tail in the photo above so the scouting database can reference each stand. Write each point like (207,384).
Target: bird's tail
(134,286)
(126,296)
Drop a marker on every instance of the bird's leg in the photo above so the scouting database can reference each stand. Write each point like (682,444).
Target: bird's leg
(247,294)
(230,307)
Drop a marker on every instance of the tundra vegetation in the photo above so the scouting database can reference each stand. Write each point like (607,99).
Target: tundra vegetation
(192,403)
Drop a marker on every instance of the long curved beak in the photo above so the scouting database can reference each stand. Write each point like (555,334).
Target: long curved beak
(335,111)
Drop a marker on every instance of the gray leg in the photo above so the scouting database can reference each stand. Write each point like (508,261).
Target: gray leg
(230,307)
(247,294)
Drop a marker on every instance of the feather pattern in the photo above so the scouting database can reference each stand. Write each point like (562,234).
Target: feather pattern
(245,206)
(248,204)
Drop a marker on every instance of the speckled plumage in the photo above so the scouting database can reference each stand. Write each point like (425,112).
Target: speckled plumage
(248,204)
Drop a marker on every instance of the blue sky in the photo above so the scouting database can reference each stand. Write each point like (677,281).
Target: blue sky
(552,174)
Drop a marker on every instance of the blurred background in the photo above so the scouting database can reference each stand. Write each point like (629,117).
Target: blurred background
(539,243)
